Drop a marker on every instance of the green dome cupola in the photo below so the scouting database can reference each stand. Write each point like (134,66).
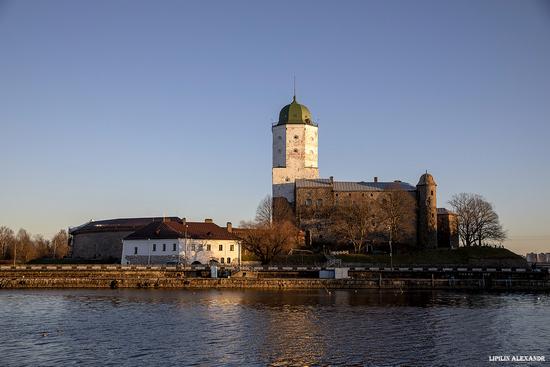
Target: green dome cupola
(295,113)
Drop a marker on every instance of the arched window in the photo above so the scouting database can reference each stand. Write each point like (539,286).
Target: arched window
(229,260)
(221,260)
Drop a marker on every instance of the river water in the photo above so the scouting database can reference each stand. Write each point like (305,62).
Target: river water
(227,327)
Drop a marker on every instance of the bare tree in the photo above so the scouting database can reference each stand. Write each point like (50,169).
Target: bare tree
(24,247)
(478,223)
(270,210)
(7,240)
(267,242)
(41,247)
(397,210)
(353,224)
(60,245)
(272,233)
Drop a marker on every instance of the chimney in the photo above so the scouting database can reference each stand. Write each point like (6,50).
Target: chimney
(375,178)
(229,227)
(208,220)
(331,179)
(184,221)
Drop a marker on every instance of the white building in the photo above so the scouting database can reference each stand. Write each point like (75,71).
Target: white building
(181,242)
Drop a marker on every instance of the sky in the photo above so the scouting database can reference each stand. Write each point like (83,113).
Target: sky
(115,109)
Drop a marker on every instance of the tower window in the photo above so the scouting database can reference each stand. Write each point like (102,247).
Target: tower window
(295,150)
(432,193)
(295,136)
(280,137)
(287,179)
(319,202)
(308,202)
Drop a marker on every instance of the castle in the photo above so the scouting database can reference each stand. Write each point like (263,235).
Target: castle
(296,183)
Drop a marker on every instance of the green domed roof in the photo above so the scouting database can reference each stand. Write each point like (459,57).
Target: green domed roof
(295,113)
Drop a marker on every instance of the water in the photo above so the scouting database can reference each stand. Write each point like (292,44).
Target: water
(226,327)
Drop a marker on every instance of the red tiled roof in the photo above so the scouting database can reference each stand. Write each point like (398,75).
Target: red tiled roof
(173,229)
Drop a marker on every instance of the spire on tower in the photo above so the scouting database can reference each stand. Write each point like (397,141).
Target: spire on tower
(294,98)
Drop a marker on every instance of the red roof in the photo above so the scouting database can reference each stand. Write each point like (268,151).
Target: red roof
(173,230)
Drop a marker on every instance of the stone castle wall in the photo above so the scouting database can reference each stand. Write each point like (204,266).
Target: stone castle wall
(98,245)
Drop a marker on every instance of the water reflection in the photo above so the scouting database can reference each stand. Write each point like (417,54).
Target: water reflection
(225,327)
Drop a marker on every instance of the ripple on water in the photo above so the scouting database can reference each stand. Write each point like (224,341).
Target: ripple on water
(152,327)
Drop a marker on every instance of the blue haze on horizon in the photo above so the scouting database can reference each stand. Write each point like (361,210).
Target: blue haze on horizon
(144,108)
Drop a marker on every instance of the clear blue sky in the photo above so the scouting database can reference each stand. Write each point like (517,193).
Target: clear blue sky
(139,108)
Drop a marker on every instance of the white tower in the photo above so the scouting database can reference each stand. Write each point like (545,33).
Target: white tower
(295,143)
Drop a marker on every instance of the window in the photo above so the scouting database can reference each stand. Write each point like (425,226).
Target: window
(154,247)
(229,260)
(222,260)
(221,248)
(174,247)
(232,248)
(193,247)
(163,247)
(432,193)
(208,247)
(319,202)
(280,137)
(295,150)
(295,136)
(308,202)
(135,250)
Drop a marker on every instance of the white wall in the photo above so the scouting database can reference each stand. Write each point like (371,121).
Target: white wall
(189,250)
(295,155)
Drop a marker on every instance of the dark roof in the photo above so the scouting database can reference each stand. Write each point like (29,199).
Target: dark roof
(177,229)
(354,186)
(118,225)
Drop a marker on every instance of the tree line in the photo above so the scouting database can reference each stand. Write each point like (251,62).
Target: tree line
(24,247)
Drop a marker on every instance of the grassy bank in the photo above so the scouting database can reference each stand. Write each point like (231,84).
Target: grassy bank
(487,256)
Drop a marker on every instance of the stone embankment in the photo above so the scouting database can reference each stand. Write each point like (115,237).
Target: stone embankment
(113,276)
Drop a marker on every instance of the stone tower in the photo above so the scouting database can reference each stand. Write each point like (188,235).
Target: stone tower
(427,211)
(294,150)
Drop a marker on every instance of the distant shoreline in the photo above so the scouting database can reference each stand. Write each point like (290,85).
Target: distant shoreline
(95,276)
